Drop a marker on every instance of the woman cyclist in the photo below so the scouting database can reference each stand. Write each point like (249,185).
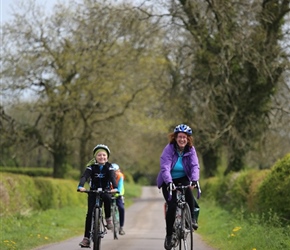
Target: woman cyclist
(178,166)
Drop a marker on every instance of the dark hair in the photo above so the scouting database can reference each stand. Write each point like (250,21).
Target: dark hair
(172,139)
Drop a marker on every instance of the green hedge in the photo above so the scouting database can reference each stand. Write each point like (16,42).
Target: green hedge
(274,193)
(253,190)
(21,193)
(44,172)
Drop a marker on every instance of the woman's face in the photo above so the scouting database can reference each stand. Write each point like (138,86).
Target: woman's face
(181,140)
(102,157)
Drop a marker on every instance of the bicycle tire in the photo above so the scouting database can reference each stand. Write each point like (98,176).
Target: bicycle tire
(97,230)
(186,237)
(115,215)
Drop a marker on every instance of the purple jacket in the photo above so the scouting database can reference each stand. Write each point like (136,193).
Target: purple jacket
(168,159)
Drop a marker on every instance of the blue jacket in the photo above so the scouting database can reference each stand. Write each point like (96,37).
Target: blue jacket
(168,159)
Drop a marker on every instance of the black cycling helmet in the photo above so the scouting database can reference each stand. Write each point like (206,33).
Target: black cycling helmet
(102,146)
(183,128)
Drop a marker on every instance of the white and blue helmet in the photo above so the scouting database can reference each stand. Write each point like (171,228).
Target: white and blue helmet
(115,166)
(183,128)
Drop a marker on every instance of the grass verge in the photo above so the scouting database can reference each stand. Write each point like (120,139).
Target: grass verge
(241,231)
(219,228)
(26,232)
(40,228)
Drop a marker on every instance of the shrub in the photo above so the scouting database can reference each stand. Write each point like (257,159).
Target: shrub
(20,193)
(47,172)
(273,193)
(73,174)
(17,194)
(235,190)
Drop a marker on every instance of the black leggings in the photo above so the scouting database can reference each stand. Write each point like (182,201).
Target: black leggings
(91,204)
(171,210)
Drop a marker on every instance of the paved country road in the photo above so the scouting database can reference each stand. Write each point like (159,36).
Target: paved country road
(144,226)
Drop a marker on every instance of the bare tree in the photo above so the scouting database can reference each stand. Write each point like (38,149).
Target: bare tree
(85,65)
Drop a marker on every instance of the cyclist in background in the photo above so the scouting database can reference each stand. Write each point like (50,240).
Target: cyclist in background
(178,165)
(101,174)
(120,196)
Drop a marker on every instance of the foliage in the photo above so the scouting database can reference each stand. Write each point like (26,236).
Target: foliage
(273,193)
(51,225)
(41,228)
(124,75)
(257,191)
(82,65)
(34,172)
(235,190)
(22,194)
(242,230)
(46,172)
(226,70)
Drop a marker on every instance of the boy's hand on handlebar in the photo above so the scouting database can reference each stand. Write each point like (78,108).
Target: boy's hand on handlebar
(114,190)
(81,189)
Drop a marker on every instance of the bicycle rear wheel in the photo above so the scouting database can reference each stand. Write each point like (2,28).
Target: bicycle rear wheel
(186,237)
(97,230)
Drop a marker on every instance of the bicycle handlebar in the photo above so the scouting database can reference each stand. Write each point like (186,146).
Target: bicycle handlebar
(182,187)
(197,186)
(98,191)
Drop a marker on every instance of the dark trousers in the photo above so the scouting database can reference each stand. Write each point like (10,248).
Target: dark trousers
(121,208)
(171,205)
(91,204)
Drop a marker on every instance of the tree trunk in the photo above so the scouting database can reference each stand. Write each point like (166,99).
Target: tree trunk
(59,166)
(210,161)
(235,163)
(82,160)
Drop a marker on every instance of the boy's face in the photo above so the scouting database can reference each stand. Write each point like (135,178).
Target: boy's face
(102,157)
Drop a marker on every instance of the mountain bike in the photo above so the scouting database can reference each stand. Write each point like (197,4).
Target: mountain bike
(116,218)
(98,229)
(182,237)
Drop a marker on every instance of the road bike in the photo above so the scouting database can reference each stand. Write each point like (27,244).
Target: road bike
(115,216)
(182,237)
(99,227)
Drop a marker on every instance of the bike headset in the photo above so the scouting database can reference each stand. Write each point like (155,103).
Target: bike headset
(183,128)
(102,146)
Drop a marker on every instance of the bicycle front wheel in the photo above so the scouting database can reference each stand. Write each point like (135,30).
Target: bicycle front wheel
(116,223)
(97,230)
(186,237)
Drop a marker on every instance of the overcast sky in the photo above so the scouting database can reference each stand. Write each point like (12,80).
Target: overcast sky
(6,6)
